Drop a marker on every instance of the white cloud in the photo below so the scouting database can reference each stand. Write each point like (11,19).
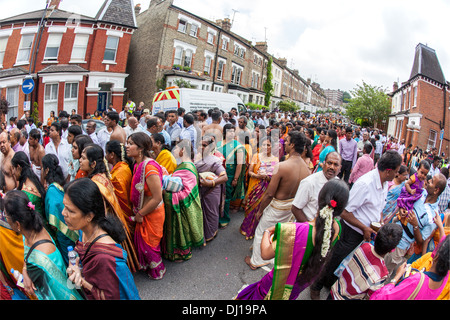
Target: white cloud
(337,43)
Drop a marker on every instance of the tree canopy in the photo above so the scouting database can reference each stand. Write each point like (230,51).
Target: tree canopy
(369,103)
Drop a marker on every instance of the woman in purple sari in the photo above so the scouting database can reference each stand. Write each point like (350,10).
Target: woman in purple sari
(301,250)
(213,178)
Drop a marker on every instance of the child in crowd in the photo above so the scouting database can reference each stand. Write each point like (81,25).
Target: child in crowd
(413,188)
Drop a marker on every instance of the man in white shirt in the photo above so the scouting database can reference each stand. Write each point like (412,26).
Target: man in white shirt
(103,136)
(366,202)
(90,131)
(59,147)
(401,147)
(305,204)
(133,126)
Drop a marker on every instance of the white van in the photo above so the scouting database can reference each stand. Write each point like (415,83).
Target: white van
(193,100)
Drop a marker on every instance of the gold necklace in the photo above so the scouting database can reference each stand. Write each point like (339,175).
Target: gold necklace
(92,237)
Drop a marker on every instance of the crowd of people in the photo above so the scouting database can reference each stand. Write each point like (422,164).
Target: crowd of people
(329,204)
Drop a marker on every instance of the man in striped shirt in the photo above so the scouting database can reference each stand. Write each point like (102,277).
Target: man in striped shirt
(364,271)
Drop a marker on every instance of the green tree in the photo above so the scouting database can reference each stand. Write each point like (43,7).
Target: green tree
(369,103)
(346,97)
(287,105)
(268,85)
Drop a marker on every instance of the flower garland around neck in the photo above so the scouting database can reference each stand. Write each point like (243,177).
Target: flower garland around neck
(326,213)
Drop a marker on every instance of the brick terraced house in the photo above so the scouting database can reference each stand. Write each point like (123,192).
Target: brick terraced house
(76,62)
(420,106)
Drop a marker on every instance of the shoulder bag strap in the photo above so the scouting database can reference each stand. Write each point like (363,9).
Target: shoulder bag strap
(35,245)
(419,286)
(94,241)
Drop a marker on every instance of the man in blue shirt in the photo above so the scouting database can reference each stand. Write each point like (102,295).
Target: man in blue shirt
(420,222)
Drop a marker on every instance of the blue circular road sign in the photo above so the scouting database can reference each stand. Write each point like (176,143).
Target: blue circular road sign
(27,86)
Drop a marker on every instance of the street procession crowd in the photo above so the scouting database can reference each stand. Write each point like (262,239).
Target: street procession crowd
(331,205)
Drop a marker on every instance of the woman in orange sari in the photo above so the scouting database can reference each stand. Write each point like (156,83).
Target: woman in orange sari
(121,176)
(93,162)
(148,204)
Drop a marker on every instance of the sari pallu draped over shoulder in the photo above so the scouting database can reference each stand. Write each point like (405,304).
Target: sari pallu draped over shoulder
(148,234)
(49,276)
(53,210)
(11,255)
(183,226)
(112,207)
(106,269)
(121,177)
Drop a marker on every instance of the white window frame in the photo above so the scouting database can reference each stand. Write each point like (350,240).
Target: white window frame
(187,61)
(208,61)
(225,43)
(80,43)
(429,146)
(415,97)
(22,49)
(236,74)
(53,92)
(210,38)
(220,68)
(53,42)
(3,44)
(178,56)
(13,109)
(194,30)
(182,25)
(71,91)
(111,48)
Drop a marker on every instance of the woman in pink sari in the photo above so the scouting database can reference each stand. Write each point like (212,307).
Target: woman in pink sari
(148,206)
(426,285)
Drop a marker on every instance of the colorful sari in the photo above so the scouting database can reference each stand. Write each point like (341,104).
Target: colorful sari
(166,159)
(53,210)
(391,202)
(112,206)
(11,257)
(183,225)
(230,151)
(48,273)
(293,243)
(105,267)
(148,234)
(121,177)
(255,192)
(212,199)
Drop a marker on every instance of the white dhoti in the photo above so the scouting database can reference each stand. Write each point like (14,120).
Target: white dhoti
(278,211)
(36,170)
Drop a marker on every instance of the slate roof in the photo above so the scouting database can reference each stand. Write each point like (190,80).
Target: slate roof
(63,68)
(427,64)
(58,14)
(11,72)
(118,12)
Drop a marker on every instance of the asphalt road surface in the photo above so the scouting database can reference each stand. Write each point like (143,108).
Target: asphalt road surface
(216,271)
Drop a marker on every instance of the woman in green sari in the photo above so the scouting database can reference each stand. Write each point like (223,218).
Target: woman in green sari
(234,154)
(183,224)
(44,272)
(54,178)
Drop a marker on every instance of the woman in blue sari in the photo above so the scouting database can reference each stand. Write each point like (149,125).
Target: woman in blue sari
(330,145)
(54,178)
(44,272)
(393,192)
(234,154)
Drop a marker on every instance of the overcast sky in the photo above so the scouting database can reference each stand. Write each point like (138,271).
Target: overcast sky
(337,43)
